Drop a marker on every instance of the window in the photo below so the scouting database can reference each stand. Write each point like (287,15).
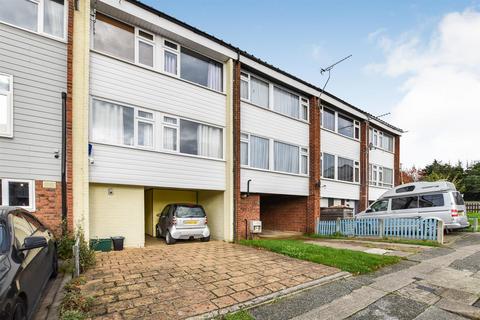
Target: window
(431,200)
(170,55)
(170,133)
(259,92)
(304,160)
(6,105)
(145,129)
(19,193)
(304,109)
(404,203)
(200,139)
(331,202)
(345,169)
(244,149)
(286,103)
(380,139)
(380,176)
(380,205)
(357,171)
(27,14)
(145,47)
(387,142)
(201,70)
(328,120)
(112,123)
(259,152)
(387,177)
(345,126)
(457,196)
(244,86)
(286,157)
(328,162)
(357,129)
(114,37)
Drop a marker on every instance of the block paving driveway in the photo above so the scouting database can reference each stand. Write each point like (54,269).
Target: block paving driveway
(189,278)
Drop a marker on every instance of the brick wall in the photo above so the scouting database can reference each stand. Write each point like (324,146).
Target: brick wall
(248,209)
(238,202)
(69,110)
(313,202)
(48,204)
(363,203)
(285,213)
(396,162)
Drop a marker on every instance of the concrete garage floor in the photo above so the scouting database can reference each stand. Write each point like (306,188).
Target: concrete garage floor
(438,283)
(192,278)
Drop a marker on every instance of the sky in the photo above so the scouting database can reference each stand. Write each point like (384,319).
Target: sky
(417,60)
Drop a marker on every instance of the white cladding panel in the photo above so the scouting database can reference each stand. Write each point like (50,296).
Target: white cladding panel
(339,190)
(381,158)
(375,192)
(124,82)
(272,182)
(269,124)
(336,144)
(129,166)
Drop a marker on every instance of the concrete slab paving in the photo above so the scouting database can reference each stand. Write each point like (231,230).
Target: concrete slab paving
(459,308)
(434,313)
(419,293)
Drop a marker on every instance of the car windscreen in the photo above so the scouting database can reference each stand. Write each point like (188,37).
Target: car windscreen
(189,212)
(458,198)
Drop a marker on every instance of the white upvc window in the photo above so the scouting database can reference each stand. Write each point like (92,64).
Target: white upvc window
(380,176)
(171,60)
(18,193)
(6,105)
(244,149)
(170,133)
(357,171)
(286,157)
(381,140)
(304,109)
(145,48)
(145,129)
(244,86)
(46,17)
(356,125)
(304,161)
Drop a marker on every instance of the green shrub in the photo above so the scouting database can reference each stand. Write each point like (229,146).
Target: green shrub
(65,251)
(64,246)
(73,315)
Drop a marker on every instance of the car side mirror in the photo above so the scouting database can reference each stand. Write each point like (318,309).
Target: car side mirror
(368,210)
(33,243)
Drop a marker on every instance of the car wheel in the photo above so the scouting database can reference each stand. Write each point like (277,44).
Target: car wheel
(169,239)
(205,239)
(159,234)
(20,311)
(54,265)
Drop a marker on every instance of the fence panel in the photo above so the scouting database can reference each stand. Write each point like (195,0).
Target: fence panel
(408,228)
(473,206)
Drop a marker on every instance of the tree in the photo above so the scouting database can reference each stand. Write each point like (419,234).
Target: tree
(472,182)
(440,171)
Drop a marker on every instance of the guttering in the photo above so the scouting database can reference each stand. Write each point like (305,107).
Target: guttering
(64,163)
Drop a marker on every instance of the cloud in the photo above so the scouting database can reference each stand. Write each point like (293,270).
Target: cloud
(440,103)
(319,53)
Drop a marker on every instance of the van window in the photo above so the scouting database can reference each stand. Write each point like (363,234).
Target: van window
(380,205)
(458,198)
(405,189)
(431,200)
(404,203)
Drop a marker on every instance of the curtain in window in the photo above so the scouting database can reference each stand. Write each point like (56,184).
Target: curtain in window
(285,157)
(170,62)
(54,17)
(387,177)
(112,123)
(170,138)
(244,89)
(259,152)
(215,76)
(328,166)
(209,141)
(259,92)
(345,169)
(21,13)
(286,102)
(145,134)
(244,153)
(328,119)
(304,164)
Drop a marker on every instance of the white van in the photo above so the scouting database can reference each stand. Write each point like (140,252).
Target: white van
(421,200)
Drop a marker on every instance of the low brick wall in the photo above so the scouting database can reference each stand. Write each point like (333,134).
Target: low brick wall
(48,204)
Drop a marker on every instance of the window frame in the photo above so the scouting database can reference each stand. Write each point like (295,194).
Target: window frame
(6,195)
(9,132)
(138,119)
(152,43)
(175,126)
(376,176)
(245,138)
(176,52)
(40,21)
(206,59)
(377,137)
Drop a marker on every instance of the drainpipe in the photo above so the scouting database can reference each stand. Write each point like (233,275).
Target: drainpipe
(64,163)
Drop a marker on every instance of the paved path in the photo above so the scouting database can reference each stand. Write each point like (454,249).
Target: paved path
(440,283)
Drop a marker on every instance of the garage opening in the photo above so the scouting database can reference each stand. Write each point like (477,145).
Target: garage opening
(213,202)
(283,213)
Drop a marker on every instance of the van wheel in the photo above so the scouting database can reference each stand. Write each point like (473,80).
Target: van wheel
(20,312)
(169,239)
(205,239)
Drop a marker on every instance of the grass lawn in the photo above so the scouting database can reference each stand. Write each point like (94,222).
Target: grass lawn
(429,243)
(355,262)
(472,215)
(240,315)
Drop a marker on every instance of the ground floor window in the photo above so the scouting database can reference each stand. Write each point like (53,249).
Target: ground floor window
(18,193)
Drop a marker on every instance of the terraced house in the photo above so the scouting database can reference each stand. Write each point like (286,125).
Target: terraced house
(162,112)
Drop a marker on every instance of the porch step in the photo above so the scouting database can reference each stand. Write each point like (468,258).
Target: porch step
(277,234)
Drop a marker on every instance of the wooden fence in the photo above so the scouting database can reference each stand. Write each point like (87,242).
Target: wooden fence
(472,206)
(406,228)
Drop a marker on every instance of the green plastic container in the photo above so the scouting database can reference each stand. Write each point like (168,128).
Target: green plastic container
(104,245)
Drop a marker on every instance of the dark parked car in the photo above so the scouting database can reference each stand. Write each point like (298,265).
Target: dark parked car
(28,258)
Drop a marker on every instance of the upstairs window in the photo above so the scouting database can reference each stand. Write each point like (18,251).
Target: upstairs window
(202,140)
(6,105)
(345,126)
(114,37)
(27,14)
(112,123)
(244,86)
(304,160)
(328,162)
(345,169)
(170,56)
(380,139)
(244,141)
(286,102)
(259,92)
(286,157)
(304,109)
(328,119)
(259,152)
(201,70)
(146,48)
(170,133)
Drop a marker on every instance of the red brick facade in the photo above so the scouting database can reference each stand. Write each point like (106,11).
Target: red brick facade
(364,162)
(285,213)
(397,170)
(248,209)
(48,204)
(71,8)
(313,201)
